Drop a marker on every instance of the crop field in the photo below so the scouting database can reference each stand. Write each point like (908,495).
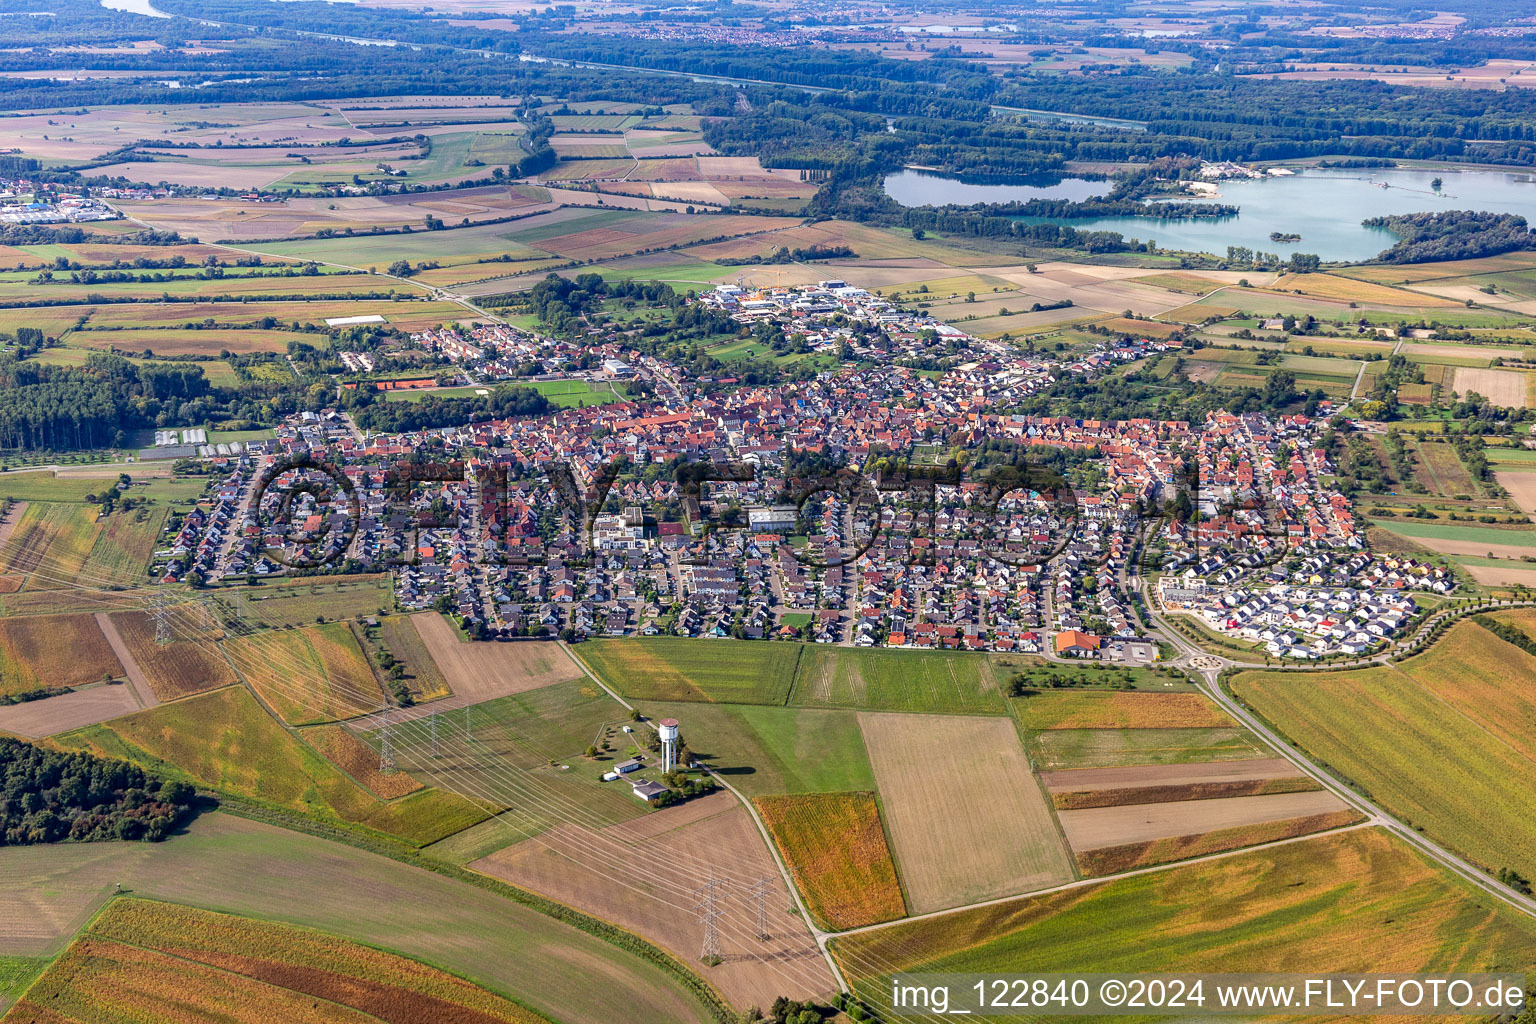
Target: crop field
(1446,476)
(957,842)
(225,741)
(1435,739)
(1327,286)
(169,341)
(1079,709)
(1456,539)
(405,314)
(836,850)
(677,668)
(400,638)
(770,750)
(1055,749)
(53,650)
(359,760)
(309,675)
(1505,388)
(1104,796)
(255,870)
(190,663)
(50,544)
(139,956)
(1352,901)
(478,671)
(888,680)
(575,864)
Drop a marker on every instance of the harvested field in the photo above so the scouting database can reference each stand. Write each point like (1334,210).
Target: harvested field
(481,671)
(1521,486)
(1112,860)
(1352,901)
(1140,328)
(836,849)
(1327,286)
(360,761)
(1108,748)
(67,712)
(1505,388)
(46,651)
(140,956)
(190,663)
(1499,576)
(1081,709)
(956,842)
(244,867)
(309,675)
(225,741)
(202,342)
(574,865)
(678,668)
(1116,826)
(1078,800)
(1086,779)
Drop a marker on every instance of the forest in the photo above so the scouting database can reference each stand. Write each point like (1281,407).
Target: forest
(94,405)
(47,796)
(371,411)
(1452,235)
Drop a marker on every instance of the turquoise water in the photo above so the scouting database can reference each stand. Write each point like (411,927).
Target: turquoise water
(920,188)
(1325,207)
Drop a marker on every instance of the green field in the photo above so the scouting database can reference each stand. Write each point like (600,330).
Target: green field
(225,741)
(1521,537)
(767,750)
(297,603)
(1113,748)
(678,668)
(952,682)
(235,866)
(1354,901)
(1441,740)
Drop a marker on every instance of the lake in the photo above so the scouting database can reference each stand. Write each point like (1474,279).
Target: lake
(920,188)
(1323,206)
(134,7)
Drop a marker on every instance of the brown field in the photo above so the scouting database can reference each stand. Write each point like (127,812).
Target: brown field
(1140,328)
(1521,485)
(481,671)
(1078,800)
(1112,860)
(360,761)
(1499,576)
(68,711)
(53,650)
(313,674)
(174,342)
(1117,826)
(836,849)
(1085,779)
(956,842)
(1081,709)
(190,663)
(140,958)
(613,873)
(1506,388)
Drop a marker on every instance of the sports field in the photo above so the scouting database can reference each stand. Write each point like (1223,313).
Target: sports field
(1354,901)
(241,867)
(138,957)
(1438,739)
(958,840)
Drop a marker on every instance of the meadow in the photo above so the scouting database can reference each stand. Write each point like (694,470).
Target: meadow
(243,867)
(1353,901)
(1435,739)
(953,682)
(225,741)
(679,668)
(272,604)
(836,850)
(138,955)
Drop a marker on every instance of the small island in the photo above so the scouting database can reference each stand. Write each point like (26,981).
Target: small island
(1283,236)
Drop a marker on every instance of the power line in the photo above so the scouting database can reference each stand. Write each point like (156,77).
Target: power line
(709,895)
(759,893)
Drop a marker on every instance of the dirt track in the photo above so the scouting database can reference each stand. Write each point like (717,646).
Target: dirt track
(140,685)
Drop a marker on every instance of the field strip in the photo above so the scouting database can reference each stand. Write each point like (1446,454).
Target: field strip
(8,523)
(142,691)
(1099,827)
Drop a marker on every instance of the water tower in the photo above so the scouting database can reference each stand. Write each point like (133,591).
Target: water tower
(668,733)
